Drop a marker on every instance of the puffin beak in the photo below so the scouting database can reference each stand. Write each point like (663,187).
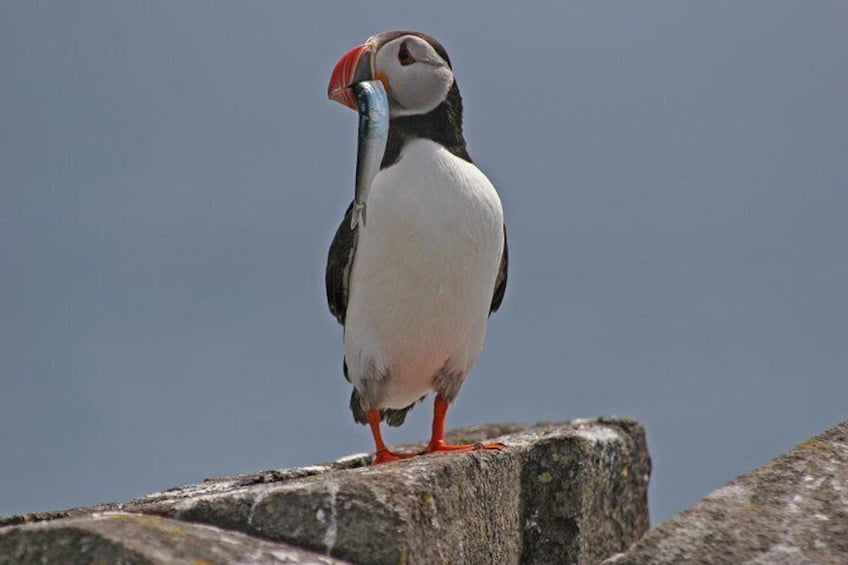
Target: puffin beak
(355,66)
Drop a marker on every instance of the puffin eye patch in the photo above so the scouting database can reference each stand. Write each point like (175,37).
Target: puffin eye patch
(404,56)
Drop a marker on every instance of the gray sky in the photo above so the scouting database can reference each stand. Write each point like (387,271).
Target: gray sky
(675,178)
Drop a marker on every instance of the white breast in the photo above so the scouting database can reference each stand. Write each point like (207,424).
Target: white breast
(423,275)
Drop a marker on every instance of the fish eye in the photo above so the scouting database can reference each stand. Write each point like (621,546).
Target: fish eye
(404,56)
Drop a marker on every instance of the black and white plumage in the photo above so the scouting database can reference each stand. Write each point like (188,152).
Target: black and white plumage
(415,286)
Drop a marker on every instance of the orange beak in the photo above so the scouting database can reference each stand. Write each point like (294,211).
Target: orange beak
(353,67)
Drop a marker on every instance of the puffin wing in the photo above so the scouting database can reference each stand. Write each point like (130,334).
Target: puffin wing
(500,281)
(337,281)
(339,264)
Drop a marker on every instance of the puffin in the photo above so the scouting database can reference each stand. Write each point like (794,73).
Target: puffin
(414,287)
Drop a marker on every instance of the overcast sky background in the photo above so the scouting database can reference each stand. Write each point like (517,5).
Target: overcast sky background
(675,179)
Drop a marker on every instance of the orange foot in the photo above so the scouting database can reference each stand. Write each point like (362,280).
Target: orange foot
(436,446)
(386,456)
(383,454)
(437,438)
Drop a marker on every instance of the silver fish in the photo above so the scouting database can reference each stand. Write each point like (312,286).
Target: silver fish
(373,134)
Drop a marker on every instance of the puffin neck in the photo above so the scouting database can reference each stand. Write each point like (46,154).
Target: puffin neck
(443,125)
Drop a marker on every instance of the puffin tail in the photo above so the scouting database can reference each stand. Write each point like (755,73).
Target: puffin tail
(391,416)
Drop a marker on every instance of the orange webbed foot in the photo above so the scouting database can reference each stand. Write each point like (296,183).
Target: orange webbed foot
(437,438)
(386,456)
(435,447)
(383,454)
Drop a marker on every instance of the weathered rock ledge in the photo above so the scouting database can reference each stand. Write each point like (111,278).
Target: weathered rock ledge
(559,493)
(792,510)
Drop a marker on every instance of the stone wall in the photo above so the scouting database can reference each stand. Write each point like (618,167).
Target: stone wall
(559,493)
(792,510)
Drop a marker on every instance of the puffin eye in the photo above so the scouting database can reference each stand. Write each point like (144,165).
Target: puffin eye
(404,56)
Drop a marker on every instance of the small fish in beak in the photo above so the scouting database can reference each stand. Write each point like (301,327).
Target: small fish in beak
(373,107)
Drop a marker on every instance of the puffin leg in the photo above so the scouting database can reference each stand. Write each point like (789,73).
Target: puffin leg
(383,454)
(437,439)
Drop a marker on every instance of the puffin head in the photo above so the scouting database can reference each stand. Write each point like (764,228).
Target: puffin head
(413,67)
